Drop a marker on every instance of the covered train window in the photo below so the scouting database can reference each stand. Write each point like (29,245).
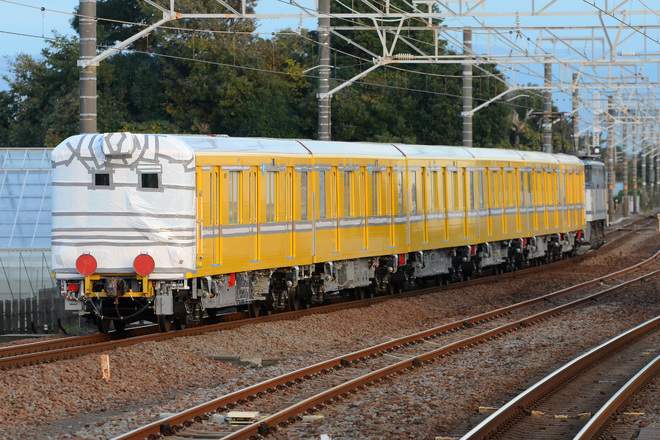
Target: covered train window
(414,192)
(348,194)
(233,182)
(440,191)
(149,180)
(399,185)
(321,194)
(271,196)
(494,189)
(303,195)
(375,192)
(433,179)
(102,179)
(482,189)
(471,195)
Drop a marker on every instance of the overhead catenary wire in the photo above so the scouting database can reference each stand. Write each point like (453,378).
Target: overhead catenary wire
(446,31)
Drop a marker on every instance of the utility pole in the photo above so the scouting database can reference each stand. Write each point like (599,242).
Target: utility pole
(547,109)
(624,147)
(88,97)
(325,119)
(610,157)
(644,202)
(467,88)
(574,105)
(657,170)
(636,128)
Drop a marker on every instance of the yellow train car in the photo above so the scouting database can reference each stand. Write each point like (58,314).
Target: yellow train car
(169,228)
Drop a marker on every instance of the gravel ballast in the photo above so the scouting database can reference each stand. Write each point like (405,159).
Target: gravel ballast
(70,400)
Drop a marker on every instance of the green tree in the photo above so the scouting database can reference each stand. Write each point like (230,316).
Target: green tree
(217,76)
(42,100)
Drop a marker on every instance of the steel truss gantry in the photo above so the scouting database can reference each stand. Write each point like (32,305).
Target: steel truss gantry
(603,54)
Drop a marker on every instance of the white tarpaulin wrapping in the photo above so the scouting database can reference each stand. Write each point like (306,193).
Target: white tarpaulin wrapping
(119,195)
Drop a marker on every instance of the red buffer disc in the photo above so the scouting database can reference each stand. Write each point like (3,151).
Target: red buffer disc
(86,265)
(144,264)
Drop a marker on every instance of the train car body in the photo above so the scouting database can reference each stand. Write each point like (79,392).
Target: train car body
(167,228)
(595,201)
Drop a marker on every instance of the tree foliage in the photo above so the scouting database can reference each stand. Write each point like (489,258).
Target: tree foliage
(218,76)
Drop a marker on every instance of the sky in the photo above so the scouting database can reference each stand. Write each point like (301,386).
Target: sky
(25,25)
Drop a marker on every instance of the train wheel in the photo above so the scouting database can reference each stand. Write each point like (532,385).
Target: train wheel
(180,323)
(295,302)
(103,324)
(254,309)
(165,323)
(120,325)
(359,293)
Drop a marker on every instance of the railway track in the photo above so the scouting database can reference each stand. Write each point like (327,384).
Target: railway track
(279,403)
(578,400)
(69,347)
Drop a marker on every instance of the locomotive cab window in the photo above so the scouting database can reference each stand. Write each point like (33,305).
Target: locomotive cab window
(149,180)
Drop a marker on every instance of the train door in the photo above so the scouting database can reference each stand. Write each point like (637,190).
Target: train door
(511,200)
(486,197)
(253,212)
(449,198)
(215,213)
(495,201)
(425,203)
(464,199)
(288,211)
(534,199)
(363,200)
(554,197)
(502,191)
(565,192)
(515,196)
(472,215)
(523,202)
(208,222)
(390,208)
(334,200)
(200,215)
(484,229)
(416,207)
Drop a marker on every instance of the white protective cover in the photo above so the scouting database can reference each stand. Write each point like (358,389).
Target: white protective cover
(118,222)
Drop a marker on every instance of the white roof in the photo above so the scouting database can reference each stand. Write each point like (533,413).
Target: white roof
(235,145)
(344,149)
(430,151)
(275,147)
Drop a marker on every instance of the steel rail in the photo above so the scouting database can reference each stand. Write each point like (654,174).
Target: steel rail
(73,341)
(289,415)
(65,348)
(168,426)
(598,423)
(516,407)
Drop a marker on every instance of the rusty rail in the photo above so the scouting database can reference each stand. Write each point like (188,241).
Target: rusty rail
(515,408)
(45,351)
(169,425)
(598,423)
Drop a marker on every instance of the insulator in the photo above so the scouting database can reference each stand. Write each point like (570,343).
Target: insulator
(404,56)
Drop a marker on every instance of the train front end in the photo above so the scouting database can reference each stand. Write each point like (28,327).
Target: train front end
(123,222)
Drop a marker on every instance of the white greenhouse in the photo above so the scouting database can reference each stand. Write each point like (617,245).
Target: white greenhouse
(25,222)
